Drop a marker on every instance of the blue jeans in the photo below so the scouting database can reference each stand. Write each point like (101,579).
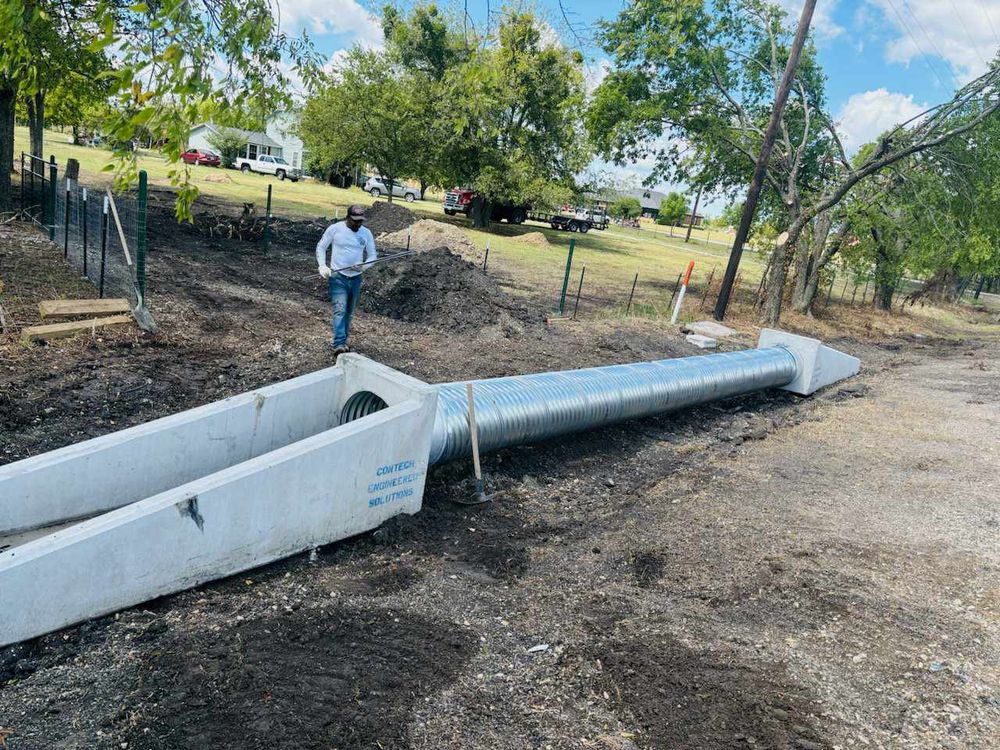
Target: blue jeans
(344,293)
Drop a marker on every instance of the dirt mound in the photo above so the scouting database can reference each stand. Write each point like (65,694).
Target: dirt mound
(534,238)
(384,218)
(441,289)
(428,234)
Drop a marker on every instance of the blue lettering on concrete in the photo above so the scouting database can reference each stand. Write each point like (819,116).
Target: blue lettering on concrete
(392,477)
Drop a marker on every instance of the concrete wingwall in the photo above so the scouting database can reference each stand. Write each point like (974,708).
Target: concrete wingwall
(120,468)
(313,491)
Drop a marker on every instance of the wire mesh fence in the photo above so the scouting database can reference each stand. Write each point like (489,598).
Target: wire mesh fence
(102,235)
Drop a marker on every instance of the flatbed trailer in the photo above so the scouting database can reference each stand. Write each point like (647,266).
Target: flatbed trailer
(571,222)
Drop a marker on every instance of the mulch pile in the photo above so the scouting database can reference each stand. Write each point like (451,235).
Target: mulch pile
(441,289)
(383,218)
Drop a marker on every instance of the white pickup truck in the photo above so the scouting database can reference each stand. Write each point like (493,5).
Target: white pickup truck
(267,164)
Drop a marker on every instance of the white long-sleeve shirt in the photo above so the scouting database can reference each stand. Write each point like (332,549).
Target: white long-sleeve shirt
(348,248)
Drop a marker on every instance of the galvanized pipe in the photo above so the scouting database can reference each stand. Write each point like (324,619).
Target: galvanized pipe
(528,408)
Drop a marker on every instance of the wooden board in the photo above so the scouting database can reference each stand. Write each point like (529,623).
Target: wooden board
(75,308)
(64,330)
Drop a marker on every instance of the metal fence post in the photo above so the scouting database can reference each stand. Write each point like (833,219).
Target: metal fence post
(66,224)
(578,290)
(635,281)
(267,221)
(104,245)
(140,253)
(22,184)
(569,263)
(486,258)
(83,209)
(677,285)
(53,176)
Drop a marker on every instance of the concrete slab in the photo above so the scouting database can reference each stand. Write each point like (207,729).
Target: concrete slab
(702,342)
(711,329)
(818,365)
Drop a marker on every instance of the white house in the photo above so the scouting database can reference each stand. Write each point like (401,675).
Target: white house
(256,144)
(281,128)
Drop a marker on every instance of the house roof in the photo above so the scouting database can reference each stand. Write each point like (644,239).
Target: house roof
(251,136)
(650,202)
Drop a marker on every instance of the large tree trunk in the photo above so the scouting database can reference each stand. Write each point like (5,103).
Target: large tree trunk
(776,284)
(8,101)
(885,274)
(481,212)
(36,123)
(810,261)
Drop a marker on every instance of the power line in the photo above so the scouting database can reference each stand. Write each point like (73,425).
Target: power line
(989,20)
(968,33)
(923,55)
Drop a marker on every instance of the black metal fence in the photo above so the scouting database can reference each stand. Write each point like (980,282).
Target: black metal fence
(102,235)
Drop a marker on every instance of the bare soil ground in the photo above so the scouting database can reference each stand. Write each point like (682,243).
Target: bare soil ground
(767,572)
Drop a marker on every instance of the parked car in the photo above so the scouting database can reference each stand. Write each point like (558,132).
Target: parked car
(377,188)
(205,157)
(267,164)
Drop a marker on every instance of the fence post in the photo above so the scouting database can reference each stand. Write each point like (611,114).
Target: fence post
(267,221)
(104,245)
(579,289)
(53,176)
(635,281)
(569,264)
(22,184)
(83,201)
(485,259)
(829,292)
(66,224)
(708,285)
(677,285)
(140,252)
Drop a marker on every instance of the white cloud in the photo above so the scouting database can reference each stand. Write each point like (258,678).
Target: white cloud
(822,21)
(333,17)
(867,115)
(962,32)
(594,74)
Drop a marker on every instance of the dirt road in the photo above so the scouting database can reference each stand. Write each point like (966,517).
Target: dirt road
(767,572)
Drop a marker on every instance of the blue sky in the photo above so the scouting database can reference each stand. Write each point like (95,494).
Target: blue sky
(885,60)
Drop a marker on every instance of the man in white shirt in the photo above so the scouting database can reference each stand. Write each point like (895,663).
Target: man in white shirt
(351,247)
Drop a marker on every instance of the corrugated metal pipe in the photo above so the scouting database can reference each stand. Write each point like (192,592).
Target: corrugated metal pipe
(528,408)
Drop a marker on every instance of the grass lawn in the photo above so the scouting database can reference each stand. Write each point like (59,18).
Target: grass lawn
(612,257)
(306,198)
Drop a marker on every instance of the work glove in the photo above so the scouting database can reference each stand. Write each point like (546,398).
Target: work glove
(325,271)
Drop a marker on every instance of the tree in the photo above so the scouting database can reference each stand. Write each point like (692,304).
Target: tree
(625,208)
(369,111)
(514,111)
(228,143)
(673,208)
(693,85)
(171,57)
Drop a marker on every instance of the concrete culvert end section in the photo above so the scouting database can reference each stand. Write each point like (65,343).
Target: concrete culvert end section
(361,404)
(251,479)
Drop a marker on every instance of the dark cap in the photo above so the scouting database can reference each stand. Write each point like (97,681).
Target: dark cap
(356,212)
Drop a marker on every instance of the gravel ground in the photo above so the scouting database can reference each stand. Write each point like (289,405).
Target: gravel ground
(767,572)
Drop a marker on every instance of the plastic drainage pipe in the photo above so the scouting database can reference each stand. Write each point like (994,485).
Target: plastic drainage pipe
(529,408)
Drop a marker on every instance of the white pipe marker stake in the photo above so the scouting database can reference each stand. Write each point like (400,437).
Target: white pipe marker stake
(680,296)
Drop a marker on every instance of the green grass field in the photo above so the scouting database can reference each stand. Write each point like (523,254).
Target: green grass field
(612,257)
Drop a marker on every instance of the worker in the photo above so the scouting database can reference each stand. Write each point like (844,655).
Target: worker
(351,247)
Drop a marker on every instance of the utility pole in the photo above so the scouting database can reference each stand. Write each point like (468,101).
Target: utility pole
(750,206)
(694,212)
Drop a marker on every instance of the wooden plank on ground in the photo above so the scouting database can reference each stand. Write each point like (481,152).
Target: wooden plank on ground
(75,308)
(64,330)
